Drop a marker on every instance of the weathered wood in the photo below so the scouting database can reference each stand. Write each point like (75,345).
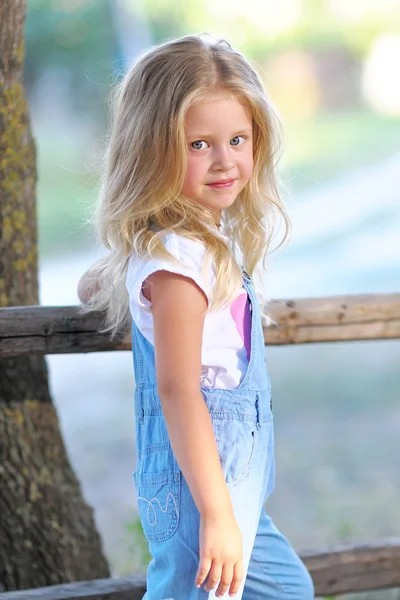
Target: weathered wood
(47,531)
(349,568)
(59,330)
(338,570)
(335,318)
(127,588)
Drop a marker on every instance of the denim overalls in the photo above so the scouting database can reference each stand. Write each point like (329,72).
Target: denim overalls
(243,427)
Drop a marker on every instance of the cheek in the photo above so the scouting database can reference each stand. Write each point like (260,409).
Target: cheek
(193,176)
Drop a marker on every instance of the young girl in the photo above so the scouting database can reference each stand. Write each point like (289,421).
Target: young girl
(188,197)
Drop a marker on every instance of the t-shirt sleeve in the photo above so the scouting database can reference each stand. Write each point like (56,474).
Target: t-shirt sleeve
(190,260)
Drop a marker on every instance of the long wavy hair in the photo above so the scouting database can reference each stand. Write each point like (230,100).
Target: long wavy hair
(145,163)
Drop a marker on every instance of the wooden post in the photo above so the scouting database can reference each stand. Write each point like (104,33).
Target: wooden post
(47,531)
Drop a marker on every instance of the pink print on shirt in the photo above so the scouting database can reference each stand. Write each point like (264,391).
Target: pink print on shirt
(240,312)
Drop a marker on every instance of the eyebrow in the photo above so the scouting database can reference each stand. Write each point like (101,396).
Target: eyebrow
(199,136)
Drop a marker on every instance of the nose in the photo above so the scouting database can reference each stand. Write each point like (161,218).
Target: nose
(223,159)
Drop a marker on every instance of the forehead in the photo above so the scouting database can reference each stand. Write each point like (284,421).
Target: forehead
(218,113)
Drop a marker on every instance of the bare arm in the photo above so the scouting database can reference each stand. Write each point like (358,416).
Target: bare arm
(179,308)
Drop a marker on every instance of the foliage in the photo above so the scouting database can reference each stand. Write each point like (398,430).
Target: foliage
(248,24)
(74,39)
(80,38)
(137,546)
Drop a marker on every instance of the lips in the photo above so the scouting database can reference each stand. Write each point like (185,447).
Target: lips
(222,183)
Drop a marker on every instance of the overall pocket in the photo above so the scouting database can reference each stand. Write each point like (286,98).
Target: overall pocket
(236,442)
(158,497)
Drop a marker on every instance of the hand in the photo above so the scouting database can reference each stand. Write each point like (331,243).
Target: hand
(221,554)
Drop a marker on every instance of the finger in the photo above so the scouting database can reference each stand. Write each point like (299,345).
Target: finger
(214,576)
(238,575)
(202,571)
(226,578)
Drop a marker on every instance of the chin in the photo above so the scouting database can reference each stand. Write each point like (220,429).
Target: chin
(223,201)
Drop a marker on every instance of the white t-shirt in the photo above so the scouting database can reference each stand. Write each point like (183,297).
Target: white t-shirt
(226,335)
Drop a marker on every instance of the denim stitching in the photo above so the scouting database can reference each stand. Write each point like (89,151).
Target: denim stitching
(239,480)
(164,511)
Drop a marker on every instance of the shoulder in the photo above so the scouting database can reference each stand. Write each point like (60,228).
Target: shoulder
(186,257)
(188,251)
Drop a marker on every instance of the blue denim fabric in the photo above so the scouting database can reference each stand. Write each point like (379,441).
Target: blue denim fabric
(243,426)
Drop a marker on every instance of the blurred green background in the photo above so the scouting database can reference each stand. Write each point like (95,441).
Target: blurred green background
(331,69)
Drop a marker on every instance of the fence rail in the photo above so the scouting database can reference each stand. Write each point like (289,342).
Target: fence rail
(58,330)
(338,570)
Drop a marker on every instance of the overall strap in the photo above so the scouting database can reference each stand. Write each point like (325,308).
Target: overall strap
(256,377)
(143,358)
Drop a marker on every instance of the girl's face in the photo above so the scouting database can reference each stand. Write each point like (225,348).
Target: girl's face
(219,134)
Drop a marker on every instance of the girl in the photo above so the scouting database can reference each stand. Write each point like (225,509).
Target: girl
(188,196)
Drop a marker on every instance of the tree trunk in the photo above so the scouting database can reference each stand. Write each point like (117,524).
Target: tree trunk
(47,531)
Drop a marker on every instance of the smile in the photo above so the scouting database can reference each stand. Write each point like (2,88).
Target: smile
(226,183)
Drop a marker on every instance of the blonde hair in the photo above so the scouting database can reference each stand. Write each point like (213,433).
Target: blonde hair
(145,165)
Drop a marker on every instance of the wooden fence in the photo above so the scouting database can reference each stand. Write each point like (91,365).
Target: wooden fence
(335,570)
(64,330)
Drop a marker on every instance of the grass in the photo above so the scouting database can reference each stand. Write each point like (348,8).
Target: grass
(135,555)
(334,144)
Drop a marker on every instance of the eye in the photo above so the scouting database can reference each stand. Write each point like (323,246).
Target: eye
(199,145)
(237,140)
